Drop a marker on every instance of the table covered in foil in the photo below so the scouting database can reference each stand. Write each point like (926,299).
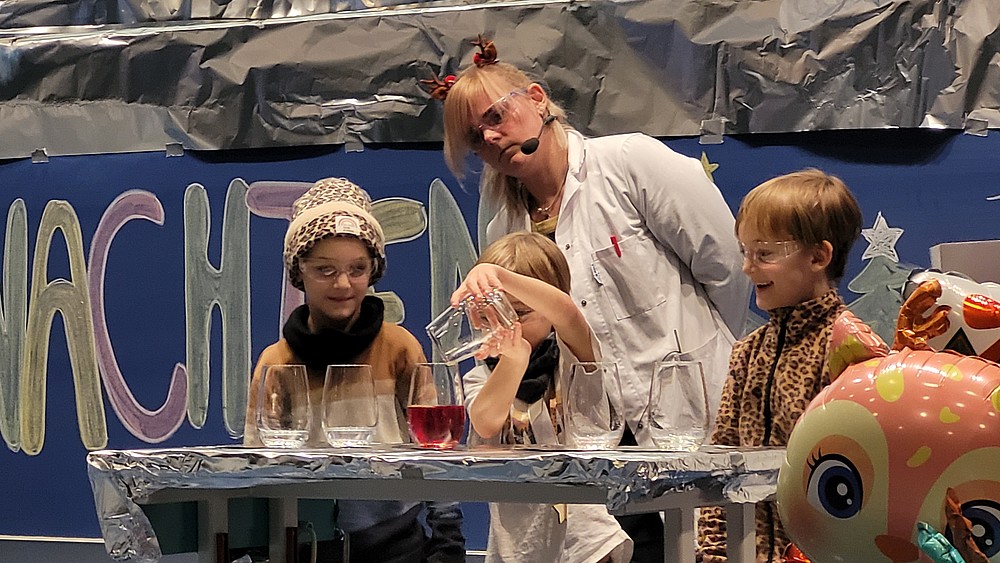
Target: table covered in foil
(124,479)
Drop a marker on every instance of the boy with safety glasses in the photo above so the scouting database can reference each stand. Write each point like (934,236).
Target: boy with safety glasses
(795,232)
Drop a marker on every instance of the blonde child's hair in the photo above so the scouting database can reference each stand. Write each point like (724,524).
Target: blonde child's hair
(529,254)
(809,205)
(492,81)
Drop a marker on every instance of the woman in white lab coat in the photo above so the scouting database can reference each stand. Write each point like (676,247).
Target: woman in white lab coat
(655,264)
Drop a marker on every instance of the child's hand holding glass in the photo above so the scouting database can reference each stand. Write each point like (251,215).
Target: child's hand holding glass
(484,300)
(479,308)
(480,282)
(506,342)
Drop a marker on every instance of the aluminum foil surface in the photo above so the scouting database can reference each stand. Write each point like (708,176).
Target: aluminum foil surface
(123,479)
(100,76)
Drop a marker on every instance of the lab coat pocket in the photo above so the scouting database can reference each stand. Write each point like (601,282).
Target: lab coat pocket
(628,274)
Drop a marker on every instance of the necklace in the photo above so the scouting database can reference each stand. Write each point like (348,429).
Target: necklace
(544,211)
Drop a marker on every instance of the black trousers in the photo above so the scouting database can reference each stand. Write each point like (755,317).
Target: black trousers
(397,540)
(646,530)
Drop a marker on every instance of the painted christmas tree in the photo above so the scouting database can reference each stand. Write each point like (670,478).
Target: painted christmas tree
(881,282)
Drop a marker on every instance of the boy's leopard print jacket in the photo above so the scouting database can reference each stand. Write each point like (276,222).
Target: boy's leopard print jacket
(773,375)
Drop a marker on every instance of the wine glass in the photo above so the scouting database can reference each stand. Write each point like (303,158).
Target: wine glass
(350,408)
(436,408)
(593,408)
(283,408)
(678,411)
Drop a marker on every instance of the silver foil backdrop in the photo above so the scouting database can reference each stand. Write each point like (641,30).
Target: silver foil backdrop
(100,76)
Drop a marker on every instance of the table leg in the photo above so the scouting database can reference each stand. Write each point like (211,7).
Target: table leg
(283,513)
(213,520)
(678,535)
(222,547)
(741,533)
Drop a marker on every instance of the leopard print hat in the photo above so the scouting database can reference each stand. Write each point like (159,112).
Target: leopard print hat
(332,207)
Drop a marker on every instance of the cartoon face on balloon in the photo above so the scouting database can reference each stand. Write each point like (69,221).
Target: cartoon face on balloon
(876,452)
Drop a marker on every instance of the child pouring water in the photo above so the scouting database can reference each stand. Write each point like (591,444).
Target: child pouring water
(512,398)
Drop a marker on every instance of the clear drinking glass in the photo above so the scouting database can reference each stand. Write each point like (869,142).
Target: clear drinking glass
(350,407)
(436,409)
(593,408)
(678,405)
(460,330)
(283,410)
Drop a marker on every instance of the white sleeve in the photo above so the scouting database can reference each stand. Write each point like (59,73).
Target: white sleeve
(567,358)
(472,383)
(686,213)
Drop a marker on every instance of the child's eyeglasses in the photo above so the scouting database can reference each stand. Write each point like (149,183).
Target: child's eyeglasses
(494,117)
(329,272)
(769,252)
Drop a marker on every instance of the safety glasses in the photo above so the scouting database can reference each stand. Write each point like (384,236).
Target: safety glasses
(769,252)
(494,118)
(327,273)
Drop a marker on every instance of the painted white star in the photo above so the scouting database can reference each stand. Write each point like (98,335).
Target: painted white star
(881,240)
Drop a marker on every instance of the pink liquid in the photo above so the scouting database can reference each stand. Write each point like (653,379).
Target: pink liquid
(439,426)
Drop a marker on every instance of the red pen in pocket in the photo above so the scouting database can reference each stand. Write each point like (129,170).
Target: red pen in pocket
(614,242)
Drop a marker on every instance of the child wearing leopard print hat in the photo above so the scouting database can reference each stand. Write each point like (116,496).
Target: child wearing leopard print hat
(334,251)
(795,232)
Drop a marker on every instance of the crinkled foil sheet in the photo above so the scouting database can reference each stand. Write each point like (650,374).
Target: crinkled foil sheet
(99,76)
(123,479)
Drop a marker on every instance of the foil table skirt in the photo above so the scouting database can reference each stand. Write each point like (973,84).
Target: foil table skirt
(626,480)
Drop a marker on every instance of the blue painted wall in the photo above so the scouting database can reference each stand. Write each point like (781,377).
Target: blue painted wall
(934,185)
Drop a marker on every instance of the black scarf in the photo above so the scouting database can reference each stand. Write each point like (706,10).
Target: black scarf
(541,370)
(333,345)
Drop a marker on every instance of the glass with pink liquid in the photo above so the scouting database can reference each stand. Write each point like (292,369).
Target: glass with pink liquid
(436,409)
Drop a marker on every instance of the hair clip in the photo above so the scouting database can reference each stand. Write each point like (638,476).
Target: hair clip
(439,88)
(487,54)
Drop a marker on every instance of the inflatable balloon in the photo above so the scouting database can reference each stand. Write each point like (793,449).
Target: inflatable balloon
(951,312)
(877,451)
(936,546)
(963,537)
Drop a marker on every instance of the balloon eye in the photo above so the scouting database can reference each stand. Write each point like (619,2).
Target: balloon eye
(835,486)
(985,518)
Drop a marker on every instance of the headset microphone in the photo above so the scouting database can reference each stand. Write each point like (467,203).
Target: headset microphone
(529,146)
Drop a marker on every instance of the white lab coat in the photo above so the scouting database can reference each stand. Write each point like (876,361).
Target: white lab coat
(679,273)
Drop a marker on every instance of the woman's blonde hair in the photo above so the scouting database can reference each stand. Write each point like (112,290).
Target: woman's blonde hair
(529,254)
(491,81)
(810,206)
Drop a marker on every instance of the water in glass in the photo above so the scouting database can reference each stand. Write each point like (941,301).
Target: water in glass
(283,409)
(678,411)
(350,405)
